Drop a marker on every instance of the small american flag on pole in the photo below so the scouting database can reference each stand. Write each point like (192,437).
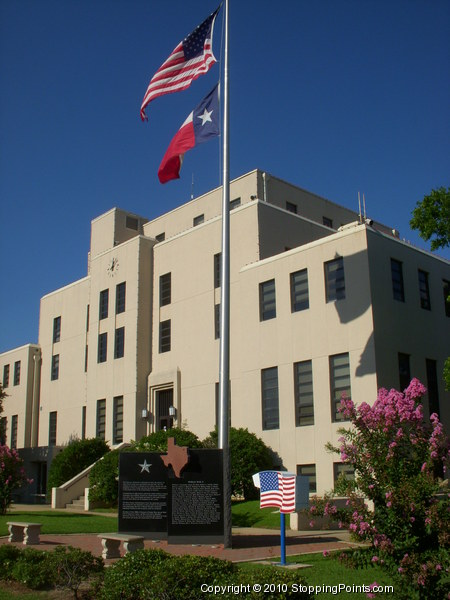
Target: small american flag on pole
(190,59)
(277,490)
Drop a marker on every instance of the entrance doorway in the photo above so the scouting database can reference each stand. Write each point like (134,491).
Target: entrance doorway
(164,399)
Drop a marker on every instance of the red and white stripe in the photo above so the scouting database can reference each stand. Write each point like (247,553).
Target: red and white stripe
(176,73)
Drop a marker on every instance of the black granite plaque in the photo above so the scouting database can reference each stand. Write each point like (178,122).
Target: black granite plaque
(195,500)
(143,494)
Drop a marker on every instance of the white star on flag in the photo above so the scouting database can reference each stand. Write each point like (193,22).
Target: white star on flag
(145,466)
(206,116)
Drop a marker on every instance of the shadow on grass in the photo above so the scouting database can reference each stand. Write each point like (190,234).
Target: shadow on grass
(245,519)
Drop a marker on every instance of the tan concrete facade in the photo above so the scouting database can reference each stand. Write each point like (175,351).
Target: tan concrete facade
(313,312)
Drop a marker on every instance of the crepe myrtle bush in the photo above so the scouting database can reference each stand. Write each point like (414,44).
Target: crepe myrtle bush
(12,476)
(400,459)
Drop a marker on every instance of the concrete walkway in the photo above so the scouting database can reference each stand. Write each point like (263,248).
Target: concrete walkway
(248,543)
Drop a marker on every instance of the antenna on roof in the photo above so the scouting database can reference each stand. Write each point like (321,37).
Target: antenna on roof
(192,187)
(359,205)
(364,207)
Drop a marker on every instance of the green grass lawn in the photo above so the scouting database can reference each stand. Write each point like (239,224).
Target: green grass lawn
(55,522)
(248,514)
(331,572)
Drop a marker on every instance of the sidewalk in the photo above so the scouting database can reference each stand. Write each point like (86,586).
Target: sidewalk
(248,543)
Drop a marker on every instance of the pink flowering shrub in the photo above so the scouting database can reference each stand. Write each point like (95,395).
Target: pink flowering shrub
(400,458)
(12,475)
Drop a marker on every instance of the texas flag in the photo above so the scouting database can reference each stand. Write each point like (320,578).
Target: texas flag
(200,126)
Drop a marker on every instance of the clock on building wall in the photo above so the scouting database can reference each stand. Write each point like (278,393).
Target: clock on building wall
(113,266)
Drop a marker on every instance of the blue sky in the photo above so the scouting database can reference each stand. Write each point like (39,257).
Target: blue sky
(335,96)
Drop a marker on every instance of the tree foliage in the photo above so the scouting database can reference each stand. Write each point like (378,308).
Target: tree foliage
(104,476)
(157,441)
(76,456)
(431,217)
(248,455)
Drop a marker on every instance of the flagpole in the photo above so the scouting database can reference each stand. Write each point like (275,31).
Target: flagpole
(224,366)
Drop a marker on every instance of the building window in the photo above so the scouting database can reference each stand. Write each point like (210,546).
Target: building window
(100,427)
(335,279)
(269,396)
(424,290)
(304,399)
(14,423)
(217,270)
(339,383)
(86,354)
(299,290)
(3,428)
(55,367)
(216,321)
(343,471)
(83,422)
(119,342)
(164,336)
(327,222)
(404,371)
(160,237)
(56,329)
(432,386)
(52,418)
(102,347)
(118,420)
(103,308)
(267,303)
(131,223)
(446,290)
(5,376)
(309,471)
(165,289)
(198,220)
(291,207)
(120,297)
(235,203)
(398,289)
(87,317)
(16,380)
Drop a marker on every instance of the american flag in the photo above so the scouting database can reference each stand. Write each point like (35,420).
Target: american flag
(190,59)
(277,490)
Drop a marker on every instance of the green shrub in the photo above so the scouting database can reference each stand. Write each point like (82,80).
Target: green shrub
(33,569)
(75,457)
(104,479)
(130,578)
(248,455)
(104,476)
(157,442)
(156,575)
(72,566)
(182,577)
(8,557)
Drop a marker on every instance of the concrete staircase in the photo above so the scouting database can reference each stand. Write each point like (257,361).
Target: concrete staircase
(77,504)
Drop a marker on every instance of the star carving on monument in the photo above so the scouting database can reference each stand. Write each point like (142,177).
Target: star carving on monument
(145,466)
(206,116)
(177,456)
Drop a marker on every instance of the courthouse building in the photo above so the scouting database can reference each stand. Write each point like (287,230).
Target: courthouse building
(322,302)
